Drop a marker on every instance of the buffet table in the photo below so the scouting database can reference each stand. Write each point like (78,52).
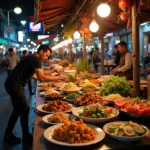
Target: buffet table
(40,143)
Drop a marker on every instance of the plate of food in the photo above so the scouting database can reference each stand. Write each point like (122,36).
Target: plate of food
(134,108)
(53,96)
(95,114)
(57,118)
(44,88)
(89,99)
(55,106)
(126,131)
(71,87)
(50,91)
(113,97)
(62,135)
(71,97)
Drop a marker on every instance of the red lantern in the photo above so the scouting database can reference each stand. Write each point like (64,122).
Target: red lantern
(123,16)
(124,4)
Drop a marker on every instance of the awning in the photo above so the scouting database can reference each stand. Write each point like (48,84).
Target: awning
(52,12)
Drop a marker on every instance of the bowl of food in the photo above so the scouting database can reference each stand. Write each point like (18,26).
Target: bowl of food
(95,114)
(134,108)
(126,131)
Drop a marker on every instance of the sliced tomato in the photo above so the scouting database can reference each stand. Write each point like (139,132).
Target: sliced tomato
(87,114)
(143,106)
(109,110)
(120,103)
(145,111)
(132,109)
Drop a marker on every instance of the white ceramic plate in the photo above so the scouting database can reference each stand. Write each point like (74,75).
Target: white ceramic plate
(100,134)
(39,108)
(123,138)
(45,119)
(77,110)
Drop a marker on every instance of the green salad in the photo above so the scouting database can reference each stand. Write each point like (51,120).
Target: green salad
(129,129)
(72,97)
(116,85)
(98,112)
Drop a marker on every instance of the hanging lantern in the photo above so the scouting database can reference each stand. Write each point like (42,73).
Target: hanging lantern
(124,4)
(123,16)
(94,27)
(85,20)
(76,35)
(103,10)
(86,30)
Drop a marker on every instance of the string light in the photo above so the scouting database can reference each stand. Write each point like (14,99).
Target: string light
(103,10)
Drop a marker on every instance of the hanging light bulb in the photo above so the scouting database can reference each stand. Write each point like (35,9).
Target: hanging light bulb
(62,44)
(94,27)
(66,43)
(103,10)
(70,41)
(76,35)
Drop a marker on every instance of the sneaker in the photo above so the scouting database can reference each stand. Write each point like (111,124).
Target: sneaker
(12,139)
(28,139)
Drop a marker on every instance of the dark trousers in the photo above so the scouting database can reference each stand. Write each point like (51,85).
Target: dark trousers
(20,108)
(9,72)
(30,86)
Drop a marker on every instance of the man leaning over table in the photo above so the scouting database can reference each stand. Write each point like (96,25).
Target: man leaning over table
(14,85)
(125,67)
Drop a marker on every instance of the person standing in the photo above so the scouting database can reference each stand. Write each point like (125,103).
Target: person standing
(125,67)
(29,67)
(117,55)
(12,60)
(96,59)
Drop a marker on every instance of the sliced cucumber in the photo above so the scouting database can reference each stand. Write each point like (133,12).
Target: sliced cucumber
(120,132)
(129,131)
(116,131)
(139,130)
(112,129)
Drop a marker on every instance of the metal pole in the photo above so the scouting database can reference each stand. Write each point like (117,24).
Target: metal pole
(136,53)
(8,15)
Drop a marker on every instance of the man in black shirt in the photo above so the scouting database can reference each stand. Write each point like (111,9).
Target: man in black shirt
(14,86)
(25,53)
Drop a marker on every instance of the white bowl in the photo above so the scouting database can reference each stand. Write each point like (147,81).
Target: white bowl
(123,138)
(77,110)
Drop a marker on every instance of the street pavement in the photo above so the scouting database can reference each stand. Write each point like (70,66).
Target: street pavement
(5,111)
